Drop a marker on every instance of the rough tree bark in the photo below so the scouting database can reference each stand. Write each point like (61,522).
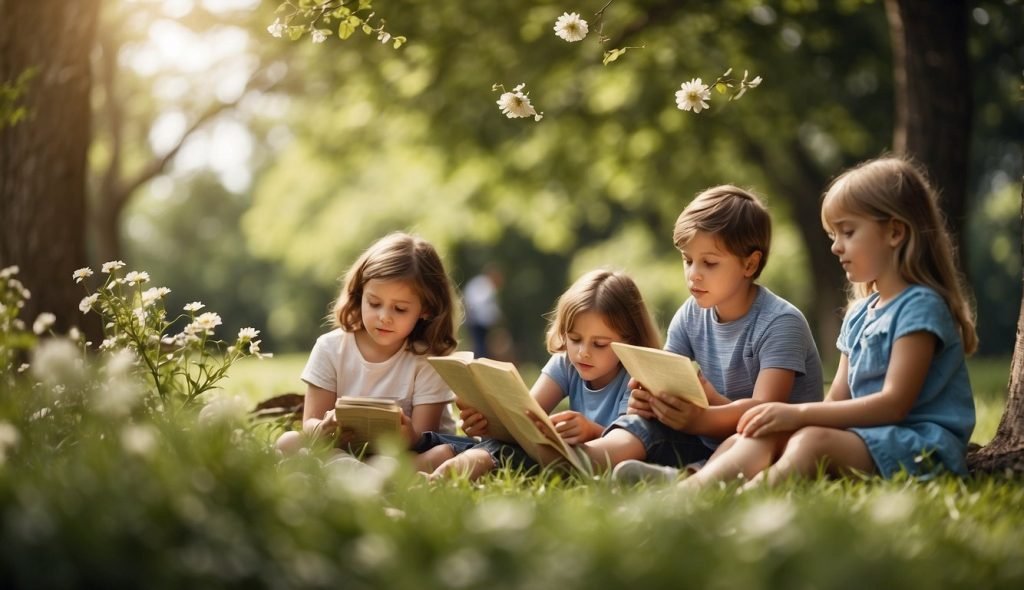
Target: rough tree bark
(43,159)
(1006,451)
(932,74)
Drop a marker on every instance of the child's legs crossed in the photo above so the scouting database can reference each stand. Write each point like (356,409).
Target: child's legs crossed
(435,448)
(844,451)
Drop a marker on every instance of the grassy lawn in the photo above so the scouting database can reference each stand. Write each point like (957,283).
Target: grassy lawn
(100,500)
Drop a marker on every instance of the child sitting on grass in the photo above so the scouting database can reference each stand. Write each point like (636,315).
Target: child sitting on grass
(601,307)
(901,399)
(752,346)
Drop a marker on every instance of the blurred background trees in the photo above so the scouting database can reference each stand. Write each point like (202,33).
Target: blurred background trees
(248,172)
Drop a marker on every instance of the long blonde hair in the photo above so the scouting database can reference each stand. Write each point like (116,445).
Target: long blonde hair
(893,188)
(612,294)
(409,258)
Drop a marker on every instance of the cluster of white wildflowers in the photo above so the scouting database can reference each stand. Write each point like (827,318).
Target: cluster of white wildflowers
(320,19)
(181,364)
(13,335)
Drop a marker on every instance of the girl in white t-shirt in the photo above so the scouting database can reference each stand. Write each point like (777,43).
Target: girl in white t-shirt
(394,310)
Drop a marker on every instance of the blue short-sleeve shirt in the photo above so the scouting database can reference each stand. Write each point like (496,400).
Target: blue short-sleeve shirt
(940,423)
(603,405)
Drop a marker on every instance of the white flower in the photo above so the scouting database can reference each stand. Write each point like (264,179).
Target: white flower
(138,439)
(111,266)
(318,35)
(43,322)
(383,37)
(254,349)
(571,27)
(194,306)
(108,343)
(136,277)
(207,322)
(224,409)
(81,273)
(692,95)
(9,437)
(516,104)
(56,360)
(74,334)
(9,271)
(140,315)
(86,304)
(247,334)
(276,29)
(746,85)
(149,296)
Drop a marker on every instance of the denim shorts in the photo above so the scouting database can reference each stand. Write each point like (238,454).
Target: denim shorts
(429,440)
(508,455)
(664,445)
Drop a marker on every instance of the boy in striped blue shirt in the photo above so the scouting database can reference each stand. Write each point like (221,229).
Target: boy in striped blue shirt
(752,346)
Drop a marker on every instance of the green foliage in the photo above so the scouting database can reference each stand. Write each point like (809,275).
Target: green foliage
(414,140)
(12,96)
(315,17)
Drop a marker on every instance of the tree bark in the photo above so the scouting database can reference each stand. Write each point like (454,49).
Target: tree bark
(933,100)
(43,159)
(1006,451)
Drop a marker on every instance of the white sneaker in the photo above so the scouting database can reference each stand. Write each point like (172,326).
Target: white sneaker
(633,471)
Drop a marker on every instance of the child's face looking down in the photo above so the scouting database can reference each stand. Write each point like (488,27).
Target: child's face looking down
(863,247)
(718,278)
(390,310)
(587,343)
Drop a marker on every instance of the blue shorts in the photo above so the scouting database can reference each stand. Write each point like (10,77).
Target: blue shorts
(664,445)
(429,440)
(504,454)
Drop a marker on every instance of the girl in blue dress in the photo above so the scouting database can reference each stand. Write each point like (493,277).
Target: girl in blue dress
(901,399)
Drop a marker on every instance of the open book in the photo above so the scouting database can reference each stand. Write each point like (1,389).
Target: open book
(661,370)
(367,418)
(496,389)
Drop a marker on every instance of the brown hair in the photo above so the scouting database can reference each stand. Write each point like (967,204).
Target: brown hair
(735,217)
(892,188)
(612,294)
(403,257)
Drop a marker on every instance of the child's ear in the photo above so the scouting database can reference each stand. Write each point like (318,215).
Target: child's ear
(751,263)
(897,232)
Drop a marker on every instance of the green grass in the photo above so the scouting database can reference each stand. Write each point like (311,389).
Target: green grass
(91,499)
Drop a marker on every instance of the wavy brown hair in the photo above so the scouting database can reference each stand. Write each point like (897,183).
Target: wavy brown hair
(612,294)
(403,257)
(895,189)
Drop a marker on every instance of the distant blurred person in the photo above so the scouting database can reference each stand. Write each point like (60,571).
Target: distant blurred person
(482,310)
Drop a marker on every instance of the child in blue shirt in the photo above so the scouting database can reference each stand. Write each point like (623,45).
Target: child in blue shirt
(601,307)
(901,399)
(751,345)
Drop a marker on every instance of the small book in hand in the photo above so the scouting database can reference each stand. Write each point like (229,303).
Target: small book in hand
(367,418)
(662,371)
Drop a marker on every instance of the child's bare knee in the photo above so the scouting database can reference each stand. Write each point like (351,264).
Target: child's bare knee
(289,443)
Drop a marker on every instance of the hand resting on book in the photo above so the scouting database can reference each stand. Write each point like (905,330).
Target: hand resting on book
(474,423)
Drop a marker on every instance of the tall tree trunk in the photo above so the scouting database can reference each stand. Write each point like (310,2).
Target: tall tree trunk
(1006,451)
(43,158)
(933,97)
